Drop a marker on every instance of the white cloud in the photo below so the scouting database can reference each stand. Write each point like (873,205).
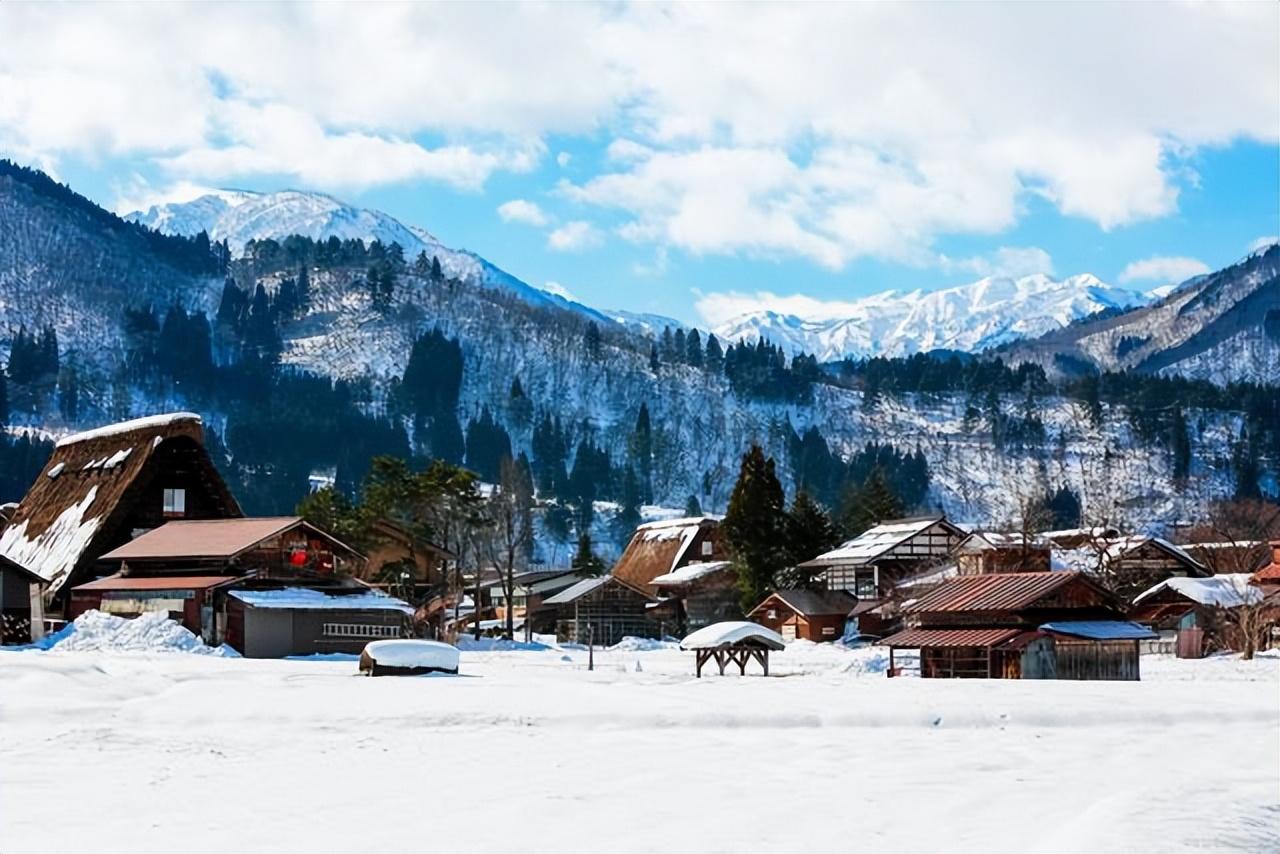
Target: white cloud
(1008,261)
(559,290)
(138,195)
(522,211)
(1263,243)
(1164,269)
(745,122)
(574,236)
(563,158)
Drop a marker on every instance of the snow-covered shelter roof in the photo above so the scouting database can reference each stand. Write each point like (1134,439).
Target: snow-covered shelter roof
(691,572)
(1221,591)
(879,541)
(661,547)
(73,510)
(1100,629)
(306,599)
(733,633)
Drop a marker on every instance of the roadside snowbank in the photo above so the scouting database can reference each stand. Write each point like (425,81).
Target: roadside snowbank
(94,631)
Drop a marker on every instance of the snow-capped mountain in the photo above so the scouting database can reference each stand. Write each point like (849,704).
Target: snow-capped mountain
(968,318)
(239,216)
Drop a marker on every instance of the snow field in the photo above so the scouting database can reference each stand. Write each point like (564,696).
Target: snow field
(528,750)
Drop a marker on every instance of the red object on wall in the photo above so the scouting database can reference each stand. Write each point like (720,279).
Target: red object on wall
(297,557)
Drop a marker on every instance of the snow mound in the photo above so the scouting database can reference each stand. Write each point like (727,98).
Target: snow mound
(413,653)
(630,644)
(94,631)
(470,644)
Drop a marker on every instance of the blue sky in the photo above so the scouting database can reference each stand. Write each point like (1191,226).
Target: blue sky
(691,160)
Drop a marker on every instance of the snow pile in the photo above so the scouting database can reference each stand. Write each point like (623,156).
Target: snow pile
(413,653)
(94,631)
(630,644)
(469,644)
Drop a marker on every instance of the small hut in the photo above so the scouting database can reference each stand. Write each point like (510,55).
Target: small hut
(812,615)
(601,610)
(21,603)
(734,642)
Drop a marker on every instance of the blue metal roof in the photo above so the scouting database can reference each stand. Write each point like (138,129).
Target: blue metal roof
(1100,629)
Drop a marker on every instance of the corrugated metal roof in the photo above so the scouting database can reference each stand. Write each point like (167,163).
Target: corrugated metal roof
(916,638)
(997,592)
(157,582)
(1100,629)
(204,538)
(582,588)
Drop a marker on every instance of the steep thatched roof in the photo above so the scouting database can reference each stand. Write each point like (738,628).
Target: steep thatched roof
(658,548)
(68,516)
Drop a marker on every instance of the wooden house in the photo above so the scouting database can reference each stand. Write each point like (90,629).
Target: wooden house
(1267,579)
(1129,565)
(985,552)
(602,611)
(869,565)
(811,615)
(1191,612)
(532,588)
(662,547)
(699,594)
(188,569)
(21,603)
(273,623)
(102,488)
(395,548)
(1033,625)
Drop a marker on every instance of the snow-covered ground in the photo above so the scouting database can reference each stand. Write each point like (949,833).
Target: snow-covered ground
(527,750)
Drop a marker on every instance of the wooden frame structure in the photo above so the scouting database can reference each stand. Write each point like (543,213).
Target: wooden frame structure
(739,654)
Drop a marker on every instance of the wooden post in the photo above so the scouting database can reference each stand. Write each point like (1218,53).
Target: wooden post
(591,647)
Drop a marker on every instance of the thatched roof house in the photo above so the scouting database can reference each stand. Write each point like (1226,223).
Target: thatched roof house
(660,548)
(101,487)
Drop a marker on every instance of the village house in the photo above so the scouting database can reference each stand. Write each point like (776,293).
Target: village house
(662,547)
(1267,579)
(532,588)
(272,623)
(1034,625)
(812,615)
(102,488)
(870,565)
(21,603)
(395,549)
(1130,565)
(1195,613)
(697,595)
(186,568)
(602,611)
(985,552)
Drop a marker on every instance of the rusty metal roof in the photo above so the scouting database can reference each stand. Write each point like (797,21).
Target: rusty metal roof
(155,582)
(1009,591)
(916,638)
(205,538)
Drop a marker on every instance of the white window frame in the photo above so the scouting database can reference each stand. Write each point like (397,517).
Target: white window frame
(363,631)
(174,501)
(707,548)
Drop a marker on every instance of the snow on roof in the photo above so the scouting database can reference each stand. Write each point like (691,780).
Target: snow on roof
(1093,556)
(127,426)
(1230,590)
(691,572)
(54,551)
(306,599)
(876,541)
(681,522)
(733,632)
(1003,540)
(1100,629)
(582,588)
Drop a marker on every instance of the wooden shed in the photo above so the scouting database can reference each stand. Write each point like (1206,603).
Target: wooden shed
(21,603)
(869,565)
(1005,625)
(805,614)
(101,487)
(603,611)
(305,621)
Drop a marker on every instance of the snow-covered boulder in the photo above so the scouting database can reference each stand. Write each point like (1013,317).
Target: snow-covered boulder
(408,658)
(731,634)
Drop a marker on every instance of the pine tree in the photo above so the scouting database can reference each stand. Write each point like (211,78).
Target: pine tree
(437,274)
(591,340)
(810,531)
(1179,446)
(692,507)
(693,349)
(714,359)
(642,452)
(585,559)
(678,351)
(653,357)
(755,526)
(4,399)
(875,501)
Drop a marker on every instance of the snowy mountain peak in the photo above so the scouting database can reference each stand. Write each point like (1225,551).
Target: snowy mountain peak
(992,311)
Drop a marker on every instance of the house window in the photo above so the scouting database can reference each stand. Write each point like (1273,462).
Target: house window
(707,548)
(828,631)
(360,630)
(864,584)
(175,502)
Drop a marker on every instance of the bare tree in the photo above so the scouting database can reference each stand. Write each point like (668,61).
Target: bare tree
(510,535)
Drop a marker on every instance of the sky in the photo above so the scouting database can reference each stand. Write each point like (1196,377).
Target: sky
(693,160)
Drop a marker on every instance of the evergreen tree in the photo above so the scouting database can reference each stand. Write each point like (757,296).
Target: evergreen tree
(755,526)
(678,351)
(810,531)
(714,359)
(591,340)
(487,446)
(642,452)
(869,504)
(693,349)
(668,345)
(585,559)
(653,357)
(69,394)
(692,507)
(1179,446)
(304,287)
(4,399)
(437,274)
